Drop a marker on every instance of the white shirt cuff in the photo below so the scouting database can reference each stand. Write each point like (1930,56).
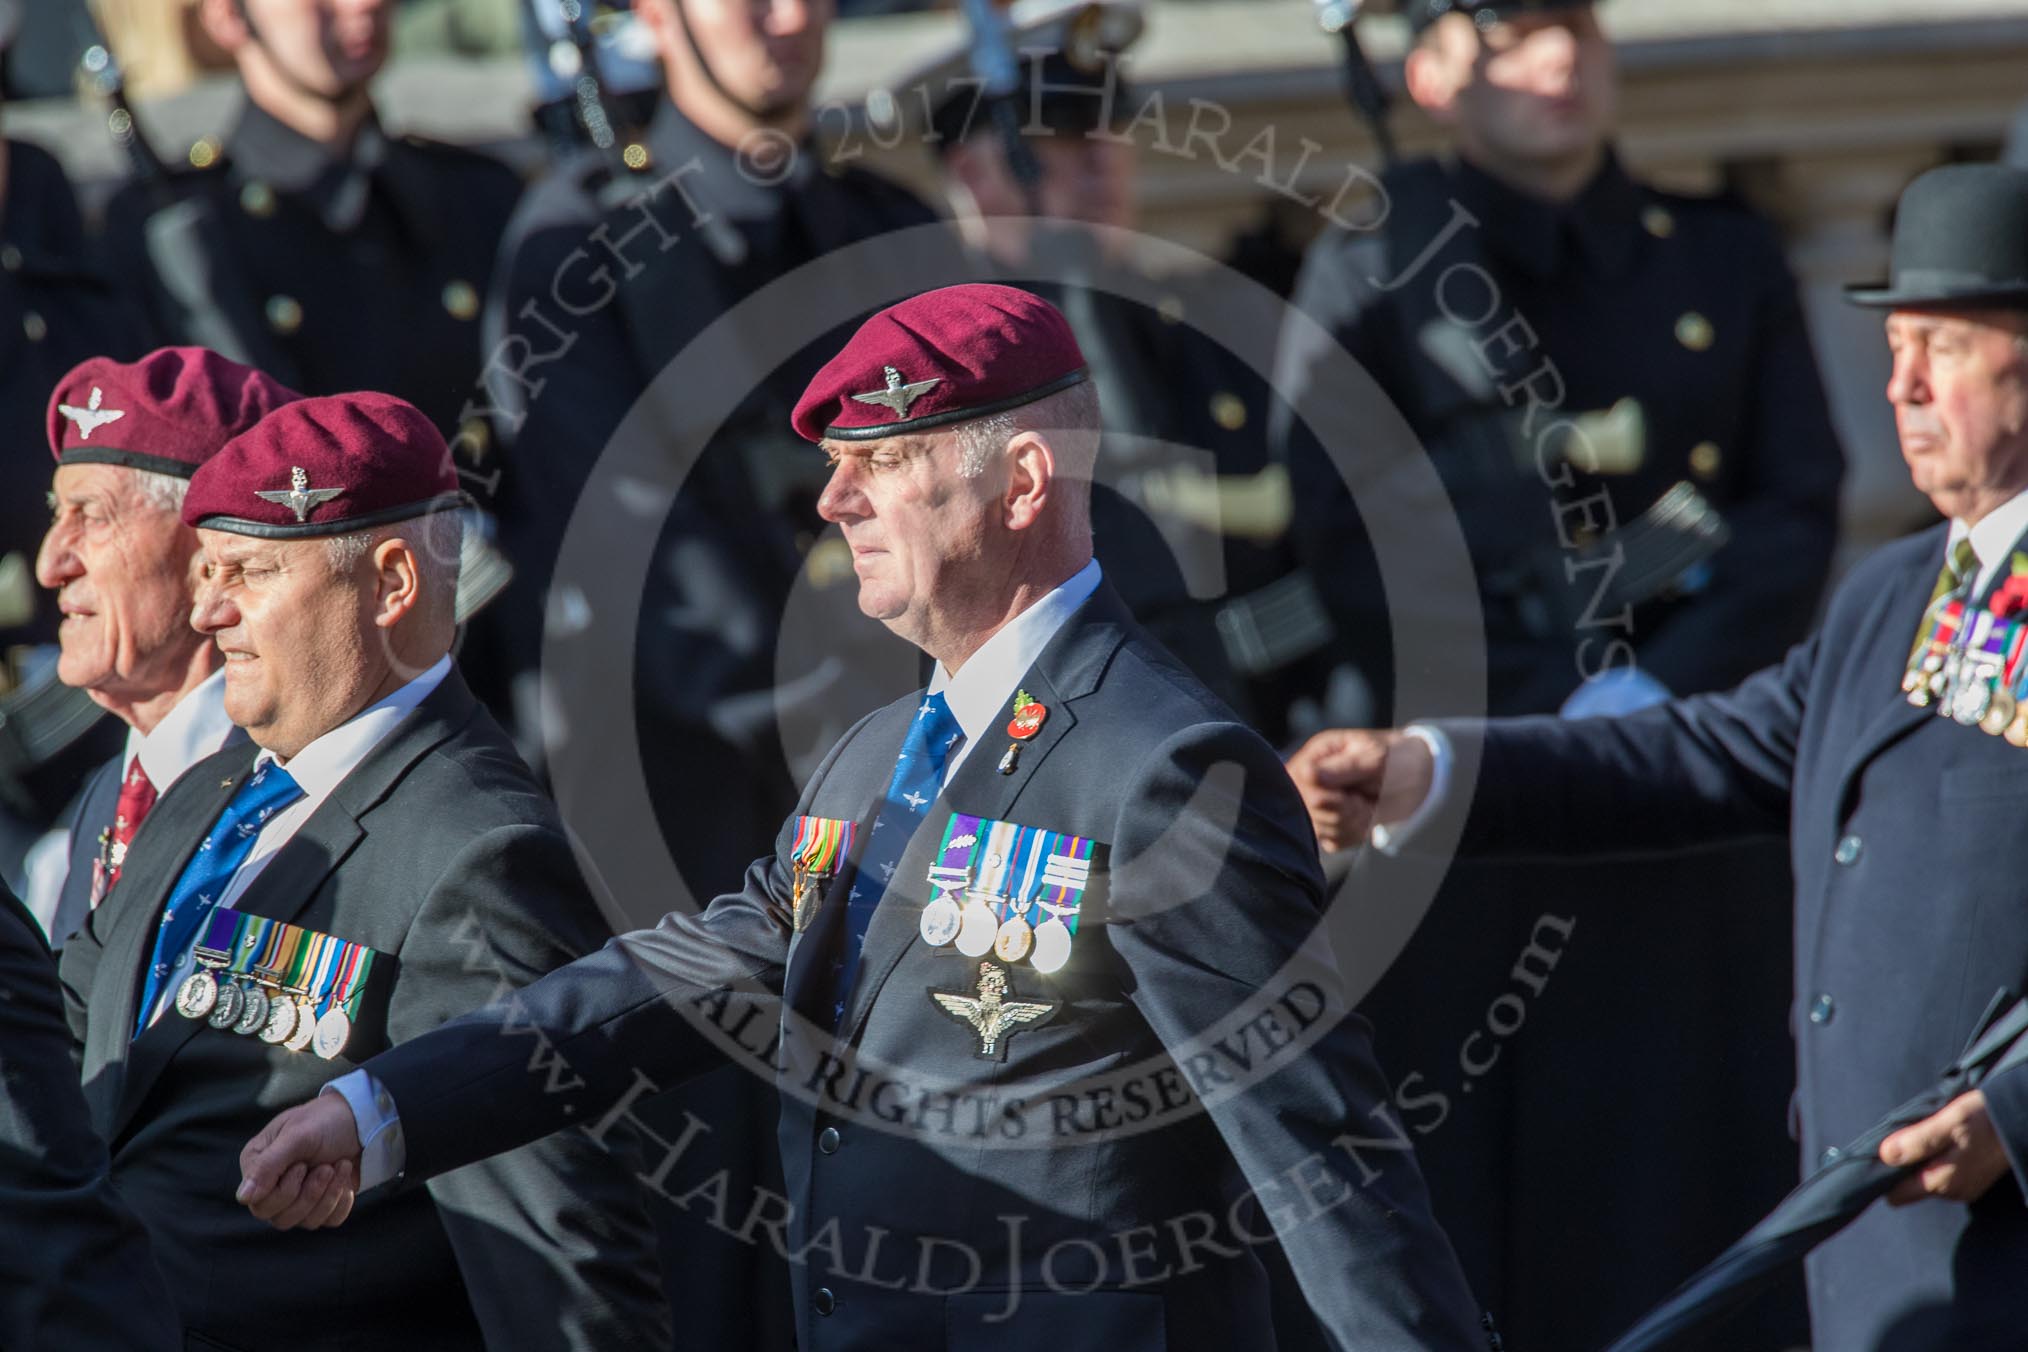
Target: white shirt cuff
(381,1152)
(1393,839)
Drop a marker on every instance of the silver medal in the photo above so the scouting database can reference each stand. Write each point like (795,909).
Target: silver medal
(231,1000)
(281,1022)
(332,1031)
(198,994)
(1052,946)
(941,921)
(976,928)
(254,1017)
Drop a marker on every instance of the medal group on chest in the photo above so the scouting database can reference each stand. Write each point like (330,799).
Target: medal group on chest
(288,986)
(1967,660)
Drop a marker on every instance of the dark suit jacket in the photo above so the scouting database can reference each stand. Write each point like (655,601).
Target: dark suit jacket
(1908,854)
(925,1157)
(438,852)
(74,1265)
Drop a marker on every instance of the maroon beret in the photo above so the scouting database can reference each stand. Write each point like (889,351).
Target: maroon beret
(942,357)
(168,412)
(326,466)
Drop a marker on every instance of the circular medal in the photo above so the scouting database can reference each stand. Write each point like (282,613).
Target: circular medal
(1013,940)
(254,1016)
(940,921)
(1910,680)
(2000,714)
(281,1023)
(976,928)
(231,1000)
(1052,945)
(198,994)
(332,1031)
(306,1027)
(1971,701)
(1932,662)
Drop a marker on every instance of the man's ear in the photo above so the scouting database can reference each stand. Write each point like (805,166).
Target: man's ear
(1432,78)
(224,24)
(1031,475)
(397,581)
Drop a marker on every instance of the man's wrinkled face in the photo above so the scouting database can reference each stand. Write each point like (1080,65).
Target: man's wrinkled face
(124,570)
(1960,397)
(329,47)
(1536,87)
(766,54)
(298,636)
(918,529)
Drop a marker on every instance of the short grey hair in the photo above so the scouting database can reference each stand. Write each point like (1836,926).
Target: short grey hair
(979,440)
(160,492)
(438,536)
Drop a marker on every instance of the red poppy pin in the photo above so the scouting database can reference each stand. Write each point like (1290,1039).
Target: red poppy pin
(1028,716)
(2011,598)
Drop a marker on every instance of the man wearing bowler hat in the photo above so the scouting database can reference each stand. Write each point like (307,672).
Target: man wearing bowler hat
(127,436)
(1891,747)
(378,860)
(1004,938)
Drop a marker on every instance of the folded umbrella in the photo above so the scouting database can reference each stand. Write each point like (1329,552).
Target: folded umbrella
(1829,1199)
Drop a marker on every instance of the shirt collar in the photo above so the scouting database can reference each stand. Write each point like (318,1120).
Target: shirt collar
(1994,538)
(1596,230)
(721,182)
(319,767)
(194,729)
(981,692)
(336,183)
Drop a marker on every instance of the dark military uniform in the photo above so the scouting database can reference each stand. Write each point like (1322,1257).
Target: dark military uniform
(1677,319)
(610,270)
(332,273)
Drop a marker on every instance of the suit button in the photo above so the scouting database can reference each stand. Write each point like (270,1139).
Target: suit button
(1848,850)
(827,1140)
(1822,1008)
(824,1302)
(1830,1157)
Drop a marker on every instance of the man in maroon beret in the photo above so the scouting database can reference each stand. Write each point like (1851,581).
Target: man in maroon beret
(376,861)
(1059,1042)
(127,436)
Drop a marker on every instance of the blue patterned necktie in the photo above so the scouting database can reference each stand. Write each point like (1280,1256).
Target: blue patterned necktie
(265,792)
(918,777)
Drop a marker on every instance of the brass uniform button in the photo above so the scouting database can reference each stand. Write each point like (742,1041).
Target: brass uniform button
(257,200)
(1228,410)
(477,437)
(635,156)
(1705,460)
(10,258)
(460,299)
(285,314)
(35,326)
(1658,221)
(1583,536)
(203,153)
(1694,331)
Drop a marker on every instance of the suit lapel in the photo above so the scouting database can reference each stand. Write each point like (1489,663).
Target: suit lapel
(1068,670)
(1886,659)
(130,916)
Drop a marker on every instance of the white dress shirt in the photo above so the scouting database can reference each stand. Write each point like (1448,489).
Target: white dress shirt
(317,769)
(980,695)
(1993,540)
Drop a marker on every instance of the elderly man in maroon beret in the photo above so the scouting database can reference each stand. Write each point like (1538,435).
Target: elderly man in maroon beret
(1059,1042)
(127,436)
(375,861)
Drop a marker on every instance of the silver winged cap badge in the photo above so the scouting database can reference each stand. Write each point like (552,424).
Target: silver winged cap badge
(91,417)
(899,393)
(298,497)
(991,1015)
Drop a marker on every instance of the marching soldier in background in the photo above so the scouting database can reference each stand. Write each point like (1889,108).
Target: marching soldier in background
(311,243)
(1616,390)
(123,569)
(1181,511)
(379,860)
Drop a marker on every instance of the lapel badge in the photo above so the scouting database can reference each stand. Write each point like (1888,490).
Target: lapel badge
(299,497)
(990,1013)
(91,417)
(1028,716)
(899,393)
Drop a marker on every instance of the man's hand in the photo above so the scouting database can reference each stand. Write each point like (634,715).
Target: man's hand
(1351,779)
(303,1169)
(1959,1150)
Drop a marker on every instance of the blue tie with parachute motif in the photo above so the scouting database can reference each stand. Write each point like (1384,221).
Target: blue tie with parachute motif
(918,777)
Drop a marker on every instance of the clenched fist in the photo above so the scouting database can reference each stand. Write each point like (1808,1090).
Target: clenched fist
(302,1171)
(1353,779)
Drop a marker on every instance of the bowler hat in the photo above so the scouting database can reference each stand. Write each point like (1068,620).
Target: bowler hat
(1960,238)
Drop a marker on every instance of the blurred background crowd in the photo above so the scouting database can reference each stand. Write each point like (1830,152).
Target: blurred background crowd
(517,213)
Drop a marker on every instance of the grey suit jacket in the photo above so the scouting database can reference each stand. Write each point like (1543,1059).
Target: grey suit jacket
(939,1198)
(74,1265)
(439,852)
